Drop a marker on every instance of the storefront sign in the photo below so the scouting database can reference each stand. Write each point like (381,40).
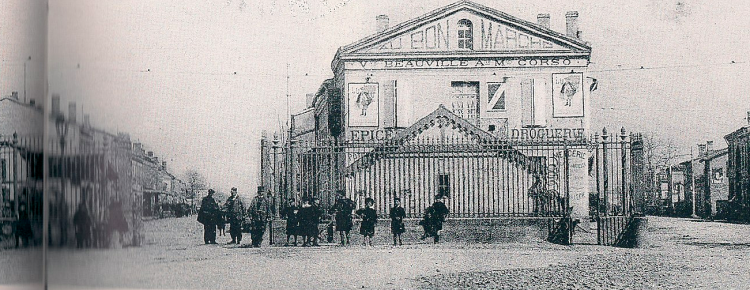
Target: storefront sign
(578,182)
(370,135)
(547,133)
(466,63)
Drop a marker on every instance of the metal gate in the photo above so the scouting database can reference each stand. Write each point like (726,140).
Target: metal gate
(21,172)
(481,178)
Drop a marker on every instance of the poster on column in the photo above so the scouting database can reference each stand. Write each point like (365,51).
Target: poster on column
(363,105)
(578,176)
(567,95)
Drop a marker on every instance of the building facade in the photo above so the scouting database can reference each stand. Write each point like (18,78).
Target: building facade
(738,172)
(465,102)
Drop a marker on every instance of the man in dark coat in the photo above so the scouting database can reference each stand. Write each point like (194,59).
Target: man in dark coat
(315,215)
(433,220)
(116,222)
(208,216)
(23,226)
(342,210)
(235,213)
(260,213)
(82,223)
(397,220)
(292,221)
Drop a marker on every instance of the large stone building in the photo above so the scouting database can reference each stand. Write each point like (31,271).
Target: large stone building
(463,74)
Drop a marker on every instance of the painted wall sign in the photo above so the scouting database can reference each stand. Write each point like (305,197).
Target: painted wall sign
(370,135)
(567,95)
(363,105)
(466,63)
(578,182)
(442,35)
(547,133)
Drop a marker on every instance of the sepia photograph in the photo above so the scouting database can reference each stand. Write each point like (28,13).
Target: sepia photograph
(349,144)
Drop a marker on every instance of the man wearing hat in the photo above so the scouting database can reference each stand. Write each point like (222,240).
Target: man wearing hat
(235,212)
(207,216)
(260,213)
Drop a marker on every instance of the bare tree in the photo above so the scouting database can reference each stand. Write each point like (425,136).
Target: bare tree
(195,182)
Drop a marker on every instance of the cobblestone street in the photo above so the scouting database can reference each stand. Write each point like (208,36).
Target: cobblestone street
(680,254)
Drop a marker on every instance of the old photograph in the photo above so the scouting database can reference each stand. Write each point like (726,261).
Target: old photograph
(349,144)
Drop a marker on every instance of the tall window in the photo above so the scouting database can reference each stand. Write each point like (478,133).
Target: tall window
(465,35)
(444,185)
(464,100)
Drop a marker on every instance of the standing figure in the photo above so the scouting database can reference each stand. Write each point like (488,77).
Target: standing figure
(209,216)
(342,210)
(304,215)
(23,226)
(315,215)
(369,219)
(82,223)
(116,222)
(434,218)
(292,222)
(397,220)
(260,212)
(235,212)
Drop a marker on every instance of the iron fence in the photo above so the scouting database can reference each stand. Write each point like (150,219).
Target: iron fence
(21,182)
(481,178)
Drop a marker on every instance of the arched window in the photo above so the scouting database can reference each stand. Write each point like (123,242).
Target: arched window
(465,35)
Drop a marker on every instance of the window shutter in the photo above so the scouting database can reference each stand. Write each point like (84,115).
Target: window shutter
(389,104)
(527,102)
(540,93)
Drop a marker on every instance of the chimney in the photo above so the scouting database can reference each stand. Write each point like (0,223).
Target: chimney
(55,105)
(150,153)
(14,95)
(382,22)
(543,20)
(72,112)
(86,120)
(571,24)
(32,102)
(748,118)
(164,165)
(709,146)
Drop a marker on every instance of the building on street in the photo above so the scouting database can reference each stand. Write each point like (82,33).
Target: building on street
(738,172)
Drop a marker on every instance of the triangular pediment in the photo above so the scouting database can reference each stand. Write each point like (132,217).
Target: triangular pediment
(442,125)
(445,31)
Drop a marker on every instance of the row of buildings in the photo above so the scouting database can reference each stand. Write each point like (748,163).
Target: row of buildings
(85,166)
(713,184)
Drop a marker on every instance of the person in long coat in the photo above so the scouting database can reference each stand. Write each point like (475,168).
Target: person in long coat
(260,213)
(23,226)
(208,216)
(369,219)
(235,213)
(82,223)
(397,215)
(116,222)
(342,209)
(292,221)
(433,220)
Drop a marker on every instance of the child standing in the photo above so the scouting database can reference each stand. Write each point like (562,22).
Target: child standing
(292,223)
(369,219)
(397,220)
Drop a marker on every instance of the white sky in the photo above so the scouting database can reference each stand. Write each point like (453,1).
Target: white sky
(195,112)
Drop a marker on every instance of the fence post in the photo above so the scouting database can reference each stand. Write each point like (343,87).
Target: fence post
(624,189)
(637,175)
(605,174)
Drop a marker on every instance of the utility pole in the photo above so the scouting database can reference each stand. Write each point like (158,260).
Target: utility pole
(24,78)
(692,183)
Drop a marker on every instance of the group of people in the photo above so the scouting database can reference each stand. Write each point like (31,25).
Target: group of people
(233,212)
(114,226)
(303,220)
